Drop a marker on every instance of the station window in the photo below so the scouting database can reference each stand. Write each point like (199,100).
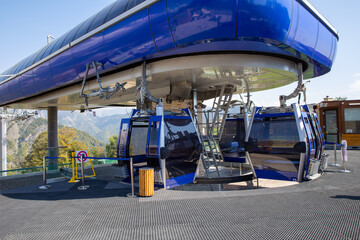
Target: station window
(118,9)
(100,18)
(48,51)
(41,54)
(59,42)
(19,68)
(352,120)
(83,30)
(69,38)
(12,71)
(4,73)
(30,60)
(133,3)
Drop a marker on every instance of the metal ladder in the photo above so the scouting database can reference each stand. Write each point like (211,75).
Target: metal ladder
(211,130)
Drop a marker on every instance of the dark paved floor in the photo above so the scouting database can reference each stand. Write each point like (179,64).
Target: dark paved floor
(326,208)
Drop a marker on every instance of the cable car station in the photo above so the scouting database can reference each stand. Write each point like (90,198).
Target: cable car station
(168,59)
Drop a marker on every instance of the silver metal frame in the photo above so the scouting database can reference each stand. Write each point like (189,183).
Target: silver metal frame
(160,112)
(301,128)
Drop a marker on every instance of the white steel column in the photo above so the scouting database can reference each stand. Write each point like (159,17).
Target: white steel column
(3,134)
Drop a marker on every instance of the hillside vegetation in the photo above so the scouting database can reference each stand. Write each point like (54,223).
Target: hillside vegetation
(27,140)
(72,139)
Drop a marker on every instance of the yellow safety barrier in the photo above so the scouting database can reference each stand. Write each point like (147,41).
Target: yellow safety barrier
(146,182)
(75,177)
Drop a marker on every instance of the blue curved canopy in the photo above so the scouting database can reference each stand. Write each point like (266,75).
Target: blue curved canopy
(128,32)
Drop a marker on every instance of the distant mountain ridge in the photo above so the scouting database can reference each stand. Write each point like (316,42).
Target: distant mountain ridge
(100,127)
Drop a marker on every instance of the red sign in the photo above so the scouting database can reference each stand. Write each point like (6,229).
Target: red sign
(84,154)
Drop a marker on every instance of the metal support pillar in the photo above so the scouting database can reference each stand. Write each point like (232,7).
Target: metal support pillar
(53,151)
(3,133)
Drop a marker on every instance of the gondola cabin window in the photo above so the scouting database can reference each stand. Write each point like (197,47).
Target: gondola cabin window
(138,139)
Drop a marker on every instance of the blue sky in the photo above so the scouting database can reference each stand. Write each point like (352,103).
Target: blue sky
(25,25)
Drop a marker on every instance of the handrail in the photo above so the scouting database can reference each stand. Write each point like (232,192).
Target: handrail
(104,158)
(30,168)
(64,164)
(332,143)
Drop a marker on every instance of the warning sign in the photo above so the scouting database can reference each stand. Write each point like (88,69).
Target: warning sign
(84,154)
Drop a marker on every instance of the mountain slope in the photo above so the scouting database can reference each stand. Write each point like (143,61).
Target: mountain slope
(22,134)
(102,128)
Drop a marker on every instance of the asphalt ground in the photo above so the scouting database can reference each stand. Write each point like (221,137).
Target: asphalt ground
(325,208)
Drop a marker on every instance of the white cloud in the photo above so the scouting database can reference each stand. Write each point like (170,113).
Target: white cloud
(355,86)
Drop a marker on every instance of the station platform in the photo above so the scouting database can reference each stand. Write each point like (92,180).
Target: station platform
(325,208)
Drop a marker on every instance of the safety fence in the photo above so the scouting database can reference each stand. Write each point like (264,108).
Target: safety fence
(64,162)
(81,159)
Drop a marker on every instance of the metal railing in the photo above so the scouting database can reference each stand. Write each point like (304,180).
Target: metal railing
(343,154)
(97,162)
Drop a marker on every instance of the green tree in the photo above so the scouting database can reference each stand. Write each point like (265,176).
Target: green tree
(37,152)
(97,151)
(68,137)
(110,148)
(340,98)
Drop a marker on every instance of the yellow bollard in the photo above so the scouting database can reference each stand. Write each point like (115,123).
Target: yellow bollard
(146,182)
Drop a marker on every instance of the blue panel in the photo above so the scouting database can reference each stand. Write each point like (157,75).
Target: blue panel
(57,66)
(202,20)
(118,9)
(274,115)
(264,19)
(323,45)
(14,89)
(92,49)
(278,175)
(160,26)
(100,18)
(294,22)
(306,32)
(4,93)
(129,39)
(235,159)
(27,84)
(333,52)
(181,180)
(42,77)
